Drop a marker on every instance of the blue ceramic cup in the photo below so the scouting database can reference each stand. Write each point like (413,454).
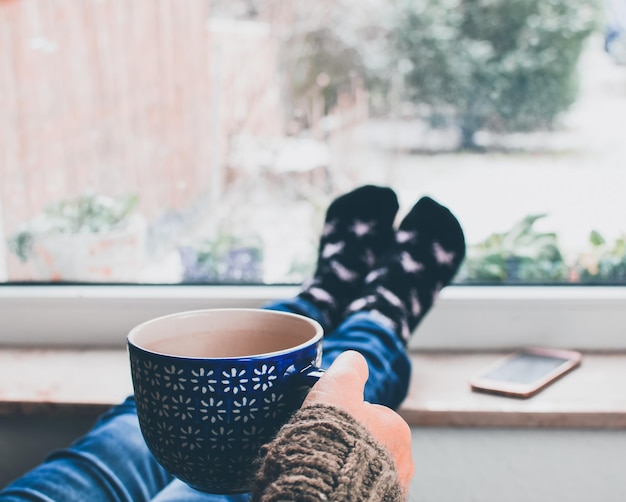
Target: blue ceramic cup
(213,386)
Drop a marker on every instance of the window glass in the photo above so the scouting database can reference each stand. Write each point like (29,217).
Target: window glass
(201,141)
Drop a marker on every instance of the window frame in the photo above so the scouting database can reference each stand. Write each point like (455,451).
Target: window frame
(463,318)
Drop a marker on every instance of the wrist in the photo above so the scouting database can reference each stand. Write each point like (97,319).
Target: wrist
(324,452)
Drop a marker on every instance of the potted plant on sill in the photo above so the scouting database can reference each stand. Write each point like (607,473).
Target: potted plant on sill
(226,258)
(519,255)
(605,263)
(93,238)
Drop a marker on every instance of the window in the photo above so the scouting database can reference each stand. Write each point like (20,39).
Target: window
(199,143)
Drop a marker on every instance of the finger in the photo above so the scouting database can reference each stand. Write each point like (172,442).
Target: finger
(346,375)
(395,434)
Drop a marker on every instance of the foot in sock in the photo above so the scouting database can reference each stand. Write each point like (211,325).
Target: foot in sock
(429,248)
(358,230)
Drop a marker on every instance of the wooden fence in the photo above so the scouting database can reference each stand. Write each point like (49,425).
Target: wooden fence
(120,97)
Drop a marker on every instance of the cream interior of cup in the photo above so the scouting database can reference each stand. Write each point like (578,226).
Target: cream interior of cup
(225,333)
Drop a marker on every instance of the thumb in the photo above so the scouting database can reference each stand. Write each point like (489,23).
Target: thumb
(343,381)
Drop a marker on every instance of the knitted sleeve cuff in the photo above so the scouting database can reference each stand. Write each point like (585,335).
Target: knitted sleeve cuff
(322,453)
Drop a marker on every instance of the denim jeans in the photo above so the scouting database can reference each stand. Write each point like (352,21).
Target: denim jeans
(112,463)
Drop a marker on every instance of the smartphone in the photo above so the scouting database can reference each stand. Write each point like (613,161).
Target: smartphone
(526,372)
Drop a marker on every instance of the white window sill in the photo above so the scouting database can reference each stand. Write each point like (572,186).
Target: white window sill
(591,396)
(74,382)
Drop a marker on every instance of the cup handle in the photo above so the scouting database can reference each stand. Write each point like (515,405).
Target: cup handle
(305,378)
(310,374)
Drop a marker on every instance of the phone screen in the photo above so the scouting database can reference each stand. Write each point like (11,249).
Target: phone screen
(525,368)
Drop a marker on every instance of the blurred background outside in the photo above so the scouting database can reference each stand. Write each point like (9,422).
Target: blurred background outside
(202,141)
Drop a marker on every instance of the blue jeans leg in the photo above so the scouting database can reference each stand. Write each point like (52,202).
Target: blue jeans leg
(386,355)
(177,491)
(112,462)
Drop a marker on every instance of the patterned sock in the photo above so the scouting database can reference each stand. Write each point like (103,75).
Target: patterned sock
(428,250)
(358,230)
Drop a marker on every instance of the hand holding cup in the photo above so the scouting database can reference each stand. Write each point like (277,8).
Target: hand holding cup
(342,386)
